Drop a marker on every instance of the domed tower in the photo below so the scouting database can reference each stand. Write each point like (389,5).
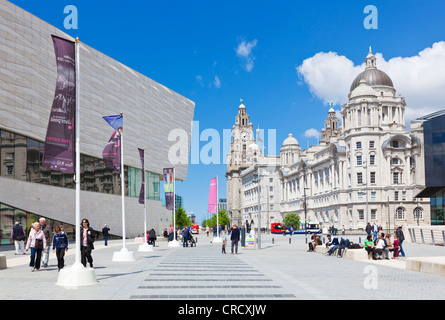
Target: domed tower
(331,127)
(290,151)
(372,101)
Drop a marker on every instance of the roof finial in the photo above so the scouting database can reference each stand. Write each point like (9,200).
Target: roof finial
(242,100)
(370,51)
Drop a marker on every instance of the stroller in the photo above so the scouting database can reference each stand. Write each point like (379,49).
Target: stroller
(192,241)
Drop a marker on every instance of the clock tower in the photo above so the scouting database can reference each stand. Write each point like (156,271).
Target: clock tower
(238,159)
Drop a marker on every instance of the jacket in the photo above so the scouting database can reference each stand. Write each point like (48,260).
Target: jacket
(234,236)
(90,238)
(47,232)
(60,241)
(32,239)
(399,234)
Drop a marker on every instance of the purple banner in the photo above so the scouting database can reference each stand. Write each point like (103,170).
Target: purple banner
(112,152)
(142,193)
(58,153)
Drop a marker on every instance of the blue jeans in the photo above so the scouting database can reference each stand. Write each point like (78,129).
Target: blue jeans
(106,240)
(332,250)
(401,248)
(36,257)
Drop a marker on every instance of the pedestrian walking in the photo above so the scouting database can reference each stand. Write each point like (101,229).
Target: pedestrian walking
(185,237)
(170,233)
(46,229)
(375,230)
(18,236)
(105,230)
(60,246)
(224,246)
(235,238)
(368,229)
(401,238)
(37,243)
(86,244)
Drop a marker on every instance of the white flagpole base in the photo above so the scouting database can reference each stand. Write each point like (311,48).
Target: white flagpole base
(145,247)
(76,276)
(217,240)
(123,255)
(174,244)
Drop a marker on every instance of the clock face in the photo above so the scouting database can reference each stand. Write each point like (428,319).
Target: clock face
(244,135)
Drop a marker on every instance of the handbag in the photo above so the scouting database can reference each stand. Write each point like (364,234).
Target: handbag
(38,244)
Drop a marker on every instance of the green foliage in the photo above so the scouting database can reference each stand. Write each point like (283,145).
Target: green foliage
(223,218)
(292,219)
(181,218)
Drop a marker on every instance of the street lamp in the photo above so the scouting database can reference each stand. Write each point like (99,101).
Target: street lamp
(366,188)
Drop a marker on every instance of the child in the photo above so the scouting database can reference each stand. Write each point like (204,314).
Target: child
(396,247)
(60,244)
(224,246)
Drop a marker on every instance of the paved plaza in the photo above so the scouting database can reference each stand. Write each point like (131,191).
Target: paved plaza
(281,270)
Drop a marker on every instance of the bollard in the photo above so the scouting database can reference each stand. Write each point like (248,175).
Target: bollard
(273,240)
(290,240)
(359,239)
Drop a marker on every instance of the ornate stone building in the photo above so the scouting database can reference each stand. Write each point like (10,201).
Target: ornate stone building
(368,170)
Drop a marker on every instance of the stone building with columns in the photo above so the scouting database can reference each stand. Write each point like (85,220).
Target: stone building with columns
(369,169)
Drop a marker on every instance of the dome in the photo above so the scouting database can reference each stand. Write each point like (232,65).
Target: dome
(290,141)
(362,90)
(373,77)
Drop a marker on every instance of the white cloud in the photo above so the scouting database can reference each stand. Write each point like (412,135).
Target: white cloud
(217,82)
(420,78)
(312,133)
(244,51)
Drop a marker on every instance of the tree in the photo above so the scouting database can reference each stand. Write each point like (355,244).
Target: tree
(223,218)
(292,219)
(181,218)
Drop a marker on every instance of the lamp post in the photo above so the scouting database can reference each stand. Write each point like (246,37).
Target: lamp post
(366,188)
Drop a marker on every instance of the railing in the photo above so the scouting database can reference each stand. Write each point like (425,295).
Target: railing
(427,236)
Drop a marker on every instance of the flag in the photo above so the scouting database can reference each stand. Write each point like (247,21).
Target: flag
(116,122)
(212,206)
(59,151)
(112,151)
(168,188)
(142,193)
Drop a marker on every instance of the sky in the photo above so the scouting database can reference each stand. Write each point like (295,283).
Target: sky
(287,59)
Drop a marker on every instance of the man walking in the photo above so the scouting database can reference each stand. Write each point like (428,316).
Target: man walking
(105,230)
(47,232)
(18,236)
(401,237)
(235,234)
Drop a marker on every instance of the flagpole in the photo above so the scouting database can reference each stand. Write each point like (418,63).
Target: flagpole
(174,243)
(77,275)
(217,238)
(124,254)
(145,247)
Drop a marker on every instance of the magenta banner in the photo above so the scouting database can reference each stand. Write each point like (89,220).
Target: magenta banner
(58,153)
(212,206)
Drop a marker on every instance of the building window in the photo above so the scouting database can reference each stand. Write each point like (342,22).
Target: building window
(359,178)
(373,196)
(359,160)
(395,161)
(358,145)
(396,195)
(400,213)
(403,195)
(361,214)
(373,214)
(372,159)
(418,213)
(372,177)
(360,196)
(371,144)
(396,179)
(395,144)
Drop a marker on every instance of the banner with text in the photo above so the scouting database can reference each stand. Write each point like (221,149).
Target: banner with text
(58,152)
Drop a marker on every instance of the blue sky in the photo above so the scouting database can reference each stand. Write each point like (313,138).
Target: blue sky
(193,47)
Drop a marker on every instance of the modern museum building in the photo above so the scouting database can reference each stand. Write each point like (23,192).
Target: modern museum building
(151,111)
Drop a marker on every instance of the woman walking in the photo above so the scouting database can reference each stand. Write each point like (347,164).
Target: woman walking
(37,243)
(86,245)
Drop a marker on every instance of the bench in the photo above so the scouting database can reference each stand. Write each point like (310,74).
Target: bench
(354,254)
(3,264)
